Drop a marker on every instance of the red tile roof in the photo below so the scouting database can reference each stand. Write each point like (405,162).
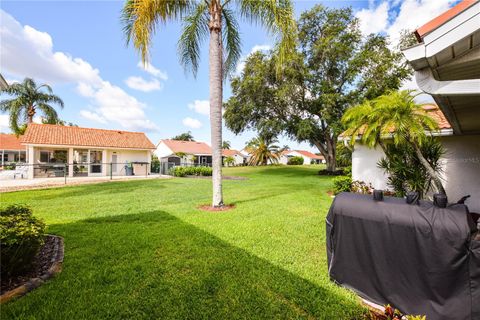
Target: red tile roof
(443,18)
(10,142)
(308,154)
(74,136)
(190,147)
(230,152)
(437,114)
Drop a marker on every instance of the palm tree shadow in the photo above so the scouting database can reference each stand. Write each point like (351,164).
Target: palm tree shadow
(154,265)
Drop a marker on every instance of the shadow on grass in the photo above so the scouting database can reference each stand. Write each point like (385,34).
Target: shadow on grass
(153,265)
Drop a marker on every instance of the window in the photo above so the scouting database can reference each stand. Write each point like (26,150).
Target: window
(96,161)
(44,156)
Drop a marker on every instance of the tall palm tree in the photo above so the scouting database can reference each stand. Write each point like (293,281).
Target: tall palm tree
(27,101)
(263,151)
(395,115)
(216,20)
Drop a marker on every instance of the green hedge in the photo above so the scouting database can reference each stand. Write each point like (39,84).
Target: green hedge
(191,171)
(21,235)
(295,161)
(342,184)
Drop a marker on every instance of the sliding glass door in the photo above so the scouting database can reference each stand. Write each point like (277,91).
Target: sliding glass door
(95,161)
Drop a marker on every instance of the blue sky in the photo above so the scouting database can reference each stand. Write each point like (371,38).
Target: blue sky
(78,47)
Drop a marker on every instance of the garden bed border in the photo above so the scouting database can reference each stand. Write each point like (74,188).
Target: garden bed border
(32,283)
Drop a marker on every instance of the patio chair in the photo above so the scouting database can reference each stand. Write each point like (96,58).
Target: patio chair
(20,170)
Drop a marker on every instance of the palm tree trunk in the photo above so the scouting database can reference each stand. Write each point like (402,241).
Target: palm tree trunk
(216,92)
(437,182)
(30,114)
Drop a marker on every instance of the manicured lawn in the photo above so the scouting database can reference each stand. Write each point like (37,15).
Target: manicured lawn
(141,250)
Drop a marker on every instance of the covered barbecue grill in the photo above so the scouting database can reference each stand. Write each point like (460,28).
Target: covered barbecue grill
(420,258)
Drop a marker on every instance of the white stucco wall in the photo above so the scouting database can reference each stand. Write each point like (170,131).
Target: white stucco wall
(284,158)
(364,166)
(162,150)
(461,168)
(238,159)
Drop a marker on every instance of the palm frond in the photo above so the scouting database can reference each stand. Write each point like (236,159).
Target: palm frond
(195,30)
(232,41)
(277,16)
(140,19)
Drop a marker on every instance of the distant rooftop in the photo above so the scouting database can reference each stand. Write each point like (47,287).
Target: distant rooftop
(49,134)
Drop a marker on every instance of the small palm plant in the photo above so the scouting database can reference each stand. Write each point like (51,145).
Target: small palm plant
(229,161)
(216,20)
(29,98)
(394,115)
(263,151)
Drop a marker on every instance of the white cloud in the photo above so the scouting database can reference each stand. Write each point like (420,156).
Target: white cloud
(386,17)
(373,20)
(392,17)
(255,48)
(415,13)
(260,47)
(200,106)
(92,116)
(191,123)
(27,52)
(139,83)
(148,67)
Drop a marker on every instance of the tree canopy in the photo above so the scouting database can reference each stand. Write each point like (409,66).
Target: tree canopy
(186,136)
(334,67)
(28,99)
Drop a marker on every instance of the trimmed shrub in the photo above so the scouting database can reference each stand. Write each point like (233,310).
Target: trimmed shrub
(191,171)
(21,235)
(342,184)
(293,161)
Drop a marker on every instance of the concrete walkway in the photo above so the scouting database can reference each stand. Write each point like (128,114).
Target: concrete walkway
(42,183)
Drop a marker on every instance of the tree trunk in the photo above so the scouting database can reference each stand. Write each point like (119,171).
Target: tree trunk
(216,92)
(30,114)
(437,182)
(331,154)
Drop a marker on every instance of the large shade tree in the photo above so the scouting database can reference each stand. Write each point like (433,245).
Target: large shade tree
(27,100)
(334,67)
(216,20)
(398,116)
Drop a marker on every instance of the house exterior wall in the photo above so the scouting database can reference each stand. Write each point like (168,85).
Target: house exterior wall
(284,158)
(162,150)
(461,168)
(239,160)
(364,166)
(123,156)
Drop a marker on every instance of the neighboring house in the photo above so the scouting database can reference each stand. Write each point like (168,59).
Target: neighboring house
(238,157)
(447,66)
(86,151)
(12,149)
(184,152)
(246,153)
(308,157)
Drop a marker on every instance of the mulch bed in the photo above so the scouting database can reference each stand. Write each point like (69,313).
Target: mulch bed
(47,262)
(223,177)
(207,207)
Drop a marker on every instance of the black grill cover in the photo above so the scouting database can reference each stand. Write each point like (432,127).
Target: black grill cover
(419,258)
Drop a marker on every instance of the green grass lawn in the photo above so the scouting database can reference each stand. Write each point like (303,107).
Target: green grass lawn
(141,250)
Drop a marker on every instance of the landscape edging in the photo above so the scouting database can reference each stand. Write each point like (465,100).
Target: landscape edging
(33,283)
